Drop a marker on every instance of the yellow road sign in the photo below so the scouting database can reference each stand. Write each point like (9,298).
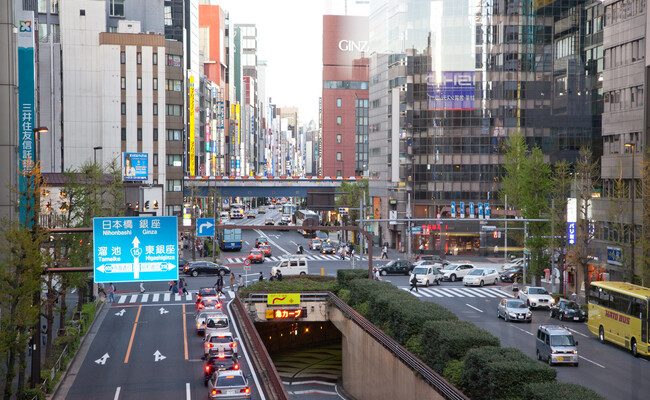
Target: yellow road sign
(274,299)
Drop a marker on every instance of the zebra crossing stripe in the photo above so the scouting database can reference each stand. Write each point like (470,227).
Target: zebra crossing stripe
(413,293)
(188,297)
(432,292)
(156,296)
(145,297)
(231,294)
(477,292)
(134,297)
(166,296)
(448,293)
(424,292)
(502,293)
(177,297)
(463,292)
(122,299)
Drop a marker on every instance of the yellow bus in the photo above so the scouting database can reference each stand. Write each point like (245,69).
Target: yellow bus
(618,313)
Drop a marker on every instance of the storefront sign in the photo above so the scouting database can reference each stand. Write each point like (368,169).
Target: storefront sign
(614,256)
(453,209)
(571,233)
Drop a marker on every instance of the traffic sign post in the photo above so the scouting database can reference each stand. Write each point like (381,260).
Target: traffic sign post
(135,249)
(205,227)
(247,262)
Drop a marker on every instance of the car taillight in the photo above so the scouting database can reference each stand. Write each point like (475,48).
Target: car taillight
(215,392)
(207,368)
(218,305)
(211,345)
(245,390)
(233,345)
(201,306)
(235,367)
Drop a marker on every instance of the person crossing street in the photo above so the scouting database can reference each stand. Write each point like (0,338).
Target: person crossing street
(414,283)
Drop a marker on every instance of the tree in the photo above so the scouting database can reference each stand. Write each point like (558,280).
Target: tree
(644,239)
(560,193)
(350,195)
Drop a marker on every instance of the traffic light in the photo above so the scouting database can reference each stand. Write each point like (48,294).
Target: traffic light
(146,205)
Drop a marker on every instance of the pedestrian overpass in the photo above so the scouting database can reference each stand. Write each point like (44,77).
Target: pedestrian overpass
(262,186)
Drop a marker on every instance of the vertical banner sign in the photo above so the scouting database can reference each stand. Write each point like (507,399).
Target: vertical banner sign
(571,219)
(486,210)
(190,134)
(26,113)
(480,210)
(462,209)
(471,209)
(453,209)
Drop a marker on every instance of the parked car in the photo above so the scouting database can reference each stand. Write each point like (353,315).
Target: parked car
(536,297)
(426,275)
(202,317)
(255,256)
(261,240)
(556,345)
(396,267)
(220,362)
(292,265)
(266,249)
(196,268)
(314,244)
(453,272)
(219,342)
(327,248)
(261,210)
(512,274)
(228,384)
(224,215)
(514,310)
(568,310)
(481,276)
(432,259)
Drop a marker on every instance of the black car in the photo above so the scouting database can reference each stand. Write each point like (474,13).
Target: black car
(196,268)
(512,274)
(219,362)
(396,267)
(327,248)
(567,310)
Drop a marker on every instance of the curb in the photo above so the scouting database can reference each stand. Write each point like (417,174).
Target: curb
(82,343)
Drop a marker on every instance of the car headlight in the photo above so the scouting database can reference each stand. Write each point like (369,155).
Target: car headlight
(513,315)
(528,314)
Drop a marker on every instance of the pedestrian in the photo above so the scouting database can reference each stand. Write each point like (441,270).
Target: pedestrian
(384,252)
(414,283)
(421,248)
(220,285)
(184,286)
(351,252)
(376,274)
(111,293)
(261,278)
(240,284)
(342,253)
(175,287)
(232,281)
(278,275)
(181,286)
(141,287)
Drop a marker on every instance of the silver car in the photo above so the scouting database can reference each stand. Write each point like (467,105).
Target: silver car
(219,342)
(228,384)
(202,318)
(556,345)
(514,310)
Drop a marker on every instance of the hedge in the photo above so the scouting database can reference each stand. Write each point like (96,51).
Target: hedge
(444,341)
(344,276)
(499,373)
(292,284)
(558,391)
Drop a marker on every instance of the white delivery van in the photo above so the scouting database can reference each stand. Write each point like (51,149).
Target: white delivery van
(291,266)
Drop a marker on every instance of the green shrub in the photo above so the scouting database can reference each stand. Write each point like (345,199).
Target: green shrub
(344,294)
(448,340)
(364,289)
(363,309)
(496,373)
(414,345)
(558,391)
(31,393)
(291,284)
(344,276)
(453,372)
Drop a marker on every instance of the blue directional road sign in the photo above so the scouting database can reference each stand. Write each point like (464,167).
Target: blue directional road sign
(135,249)
(205,227)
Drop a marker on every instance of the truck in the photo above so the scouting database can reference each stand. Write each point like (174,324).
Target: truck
(230,239)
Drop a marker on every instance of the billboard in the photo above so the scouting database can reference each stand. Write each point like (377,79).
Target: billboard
(451,90)
(135,167)
(345,39)
(192,124)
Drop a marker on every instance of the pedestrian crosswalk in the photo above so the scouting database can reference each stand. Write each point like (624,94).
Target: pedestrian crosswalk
(161,297)
(310,257)
(458,291)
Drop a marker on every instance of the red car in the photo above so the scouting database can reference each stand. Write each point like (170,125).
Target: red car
(256,256)
(266,249)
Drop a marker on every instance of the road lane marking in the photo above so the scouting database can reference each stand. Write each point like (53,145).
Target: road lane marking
(433,292)
(416,294)
(167,296)
(579,333)
(134,298)
(185,353)
(593,362)
(504,293)
(523,330)
(425,293)
(462,291)
(188,393)
(117,393)
(122,299)
(156,296)
(477,292)
(145,297)
(447,294)
(177,297)
(135,326)
(271,241)
(471,306)
(231,294)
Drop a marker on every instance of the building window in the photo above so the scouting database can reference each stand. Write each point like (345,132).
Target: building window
(168,16)
(174,135)
(339,173)
(139,83)
(174,85)
(139,134)
(339,138)
(174,110)
(339,120)
(123,136)
(117,8)
(339,103)
(155,159)
(155,134)
(154,58)
(173,61)
(123,108)
(339,156)
(139,108)
(122,57)
(174,185)
(123,83)
(155,83)
(155,108)
(138,57)
(174,160)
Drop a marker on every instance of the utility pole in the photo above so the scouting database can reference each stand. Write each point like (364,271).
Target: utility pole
(505,244)
(525,250)
(408,225)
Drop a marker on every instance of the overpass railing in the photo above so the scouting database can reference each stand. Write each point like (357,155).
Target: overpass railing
(272,383)
(430,376)
(304,296)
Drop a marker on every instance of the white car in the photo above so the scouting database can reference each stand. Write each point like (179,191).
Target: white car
(219,342)
(202,317)
(536,297)
(426,275)
(481,276)
(292,266)
(224,214)
(454,272)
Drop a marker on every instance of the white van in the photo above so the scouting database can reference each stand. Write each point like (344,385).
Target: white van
(291,266)
(426,275)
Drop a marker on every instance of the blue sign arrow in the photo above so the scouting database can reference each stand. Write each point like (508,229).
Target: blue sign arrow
(205,227)
(135,249)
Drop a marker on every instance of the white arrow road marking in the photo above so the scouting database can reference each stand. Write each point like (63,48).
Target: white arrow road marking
(120,313)
(102,359)
(157,356)
(163,311)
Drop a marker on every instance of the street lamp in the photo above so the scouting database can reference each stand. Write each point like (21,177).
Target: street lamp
(95,153)
(37,140)
(632,146)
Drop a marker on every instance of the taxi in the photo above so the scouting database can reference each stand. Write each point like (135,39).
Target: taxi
(266,249)
(255,256)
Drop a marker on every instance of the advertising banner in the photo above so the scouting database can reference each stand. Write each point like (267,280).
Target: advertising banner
(191,133)
(614,256)
(462,209)
(480,210)
(451,90)
(135,167)
(345,39)
(453,209)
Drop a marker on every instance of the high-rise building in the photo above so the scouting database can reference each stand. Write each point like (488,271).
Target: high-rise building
(345,95)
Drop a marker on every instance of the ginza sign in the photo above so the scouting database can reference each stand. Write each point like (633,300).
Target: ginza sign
(350,45)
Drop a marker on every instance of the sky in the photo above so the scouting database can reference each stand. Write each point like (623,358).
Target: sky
(290,39)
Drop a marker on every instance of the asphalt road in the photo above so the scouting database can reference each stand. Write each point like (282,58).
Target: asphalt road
(609,370)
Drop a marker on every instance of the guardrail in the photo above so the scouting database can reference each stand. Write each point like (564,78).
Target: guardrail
(272,383)
(434,379)
(304,296)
